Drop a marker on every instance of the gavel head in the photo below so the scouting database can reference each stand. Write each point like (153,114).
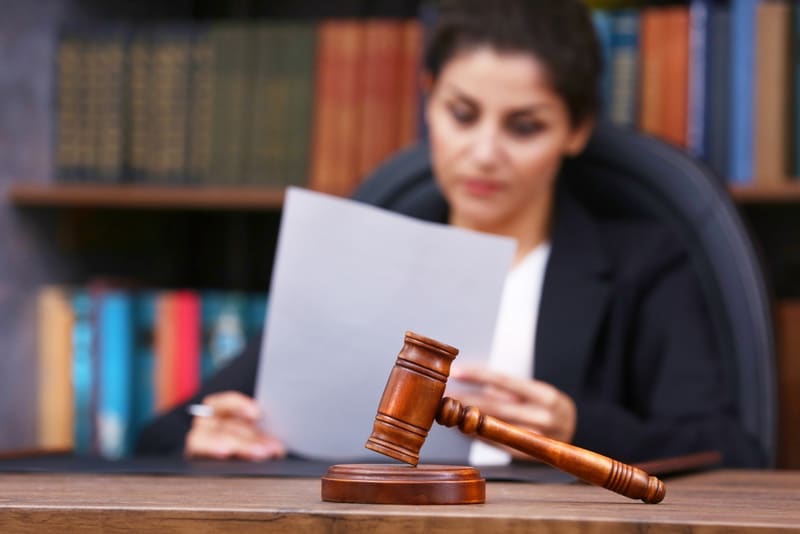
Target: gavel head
(411,398)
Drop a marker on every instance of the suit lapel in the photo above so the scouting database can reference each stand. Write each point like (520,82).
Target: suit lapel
(575,296)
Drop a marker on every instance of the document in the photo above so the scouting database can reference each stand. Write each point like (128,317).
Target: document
(349,280)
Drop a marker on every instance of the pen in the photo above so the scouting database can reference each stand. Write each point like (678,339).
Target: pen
(200,410)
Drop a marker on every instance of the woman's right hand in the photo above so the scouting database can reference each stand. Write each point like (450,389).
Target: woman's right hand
(232,431)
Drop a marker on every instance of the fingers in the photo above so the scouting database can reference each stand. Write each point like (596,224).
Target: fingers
(232,431)
(524,388)
(233,404)
(527,403)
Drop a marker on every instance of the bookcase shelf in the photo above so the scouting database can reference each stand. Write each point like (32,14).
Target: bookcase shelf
(783,193)
(147,196)
(242,197)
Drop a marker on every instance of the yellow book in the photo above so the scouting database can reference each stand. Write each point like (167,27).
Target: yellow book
(54,393)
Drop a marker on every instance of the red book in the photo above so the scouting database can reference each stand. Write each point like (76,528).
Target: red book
(410,90)
(338,101)
(380,119)
(186,370)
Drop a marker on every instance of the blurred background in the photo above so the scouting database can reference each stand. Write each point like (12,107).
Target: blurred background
(145,147)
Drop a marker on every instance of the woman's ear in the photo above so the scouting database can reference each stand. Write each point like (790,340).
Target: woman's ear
(579,136)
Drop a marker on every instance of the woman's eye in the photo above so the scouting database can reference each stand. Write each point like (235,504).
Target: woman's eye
(524,128)
(462,115)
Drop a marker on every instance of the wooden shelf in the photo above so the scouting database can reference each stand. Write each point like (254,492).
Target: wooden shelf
(784,193)
(147,196)
(251,197)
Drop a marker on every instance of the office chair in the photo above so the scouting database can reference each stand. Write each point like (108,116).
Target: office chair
(628,173)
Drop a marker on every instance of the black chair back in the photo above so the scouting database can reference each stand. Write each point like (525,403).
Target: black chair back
(626,173)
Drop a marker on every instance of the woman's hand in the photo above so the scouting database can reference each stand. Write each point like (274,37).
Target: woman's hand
(526,403)
(232,431)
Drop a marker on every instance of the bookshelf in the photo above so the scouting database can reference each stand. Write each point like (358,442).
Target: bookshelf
(49,225)
(146,197)
(253,197)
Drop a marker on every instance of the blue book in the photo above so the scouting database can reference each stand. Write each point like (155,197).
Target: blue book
(699,49)
(624,67)
(255,314)
(144,326)
(742,87)
(717,117)
(115,351)
(82,375)
(223,325)
(602,25)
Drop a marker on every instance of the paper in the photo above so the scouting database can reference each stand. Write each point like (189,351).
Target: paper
(349,280)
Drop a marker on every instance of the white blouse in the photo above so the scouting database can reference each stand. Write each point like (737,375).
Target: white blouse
(514,334)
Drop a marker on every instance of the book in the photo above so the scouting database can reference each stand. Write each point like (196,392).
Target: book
(741,104)
(699,56)
(624,67)
(186,357)
(717,114)
(771,139)
(410,103)
(337,101)
(70,100)
(602,20)
(379,122)
(114,373)
(83,342)
(143,368)
(301,56)
(56,405)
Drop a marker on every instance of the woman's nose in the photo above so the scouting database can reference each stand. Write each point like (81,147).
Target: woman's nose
(486,146)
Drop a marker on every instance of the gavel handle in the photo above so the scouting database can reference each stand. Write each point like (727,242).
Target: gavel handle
(583,464)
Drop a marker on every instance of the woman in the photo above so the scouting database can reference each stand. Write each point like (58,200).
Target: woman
(605,314)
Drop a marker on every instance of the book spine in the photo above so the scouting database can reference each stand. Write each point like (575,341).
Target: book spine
(82,371)
(302,50)
(718,92)
(624,67)
(674,105)
(380,124)
(742,88)
(69,107)
(771,96)
(698,67)
(602,20)
(56,405)
(186,375)
(144,324)
(410,97)
(115,379)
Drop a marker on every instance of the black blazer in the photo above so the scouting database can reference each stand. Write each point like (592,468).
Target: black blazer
(622,329)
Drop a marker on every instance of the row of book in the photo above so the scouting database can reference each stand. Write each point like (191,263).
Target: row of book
(110,359)
(261,102)
(718,78)
(320,104)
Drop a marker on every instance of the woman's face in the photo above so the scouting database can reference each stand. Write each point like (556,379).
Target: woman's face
(498,134)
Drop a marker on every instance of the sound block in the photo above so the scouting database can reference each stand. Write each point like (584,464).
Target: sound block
(403,484)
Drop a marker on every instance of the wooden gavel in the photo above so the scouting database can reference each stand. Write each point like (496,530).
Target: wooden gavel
(413,399)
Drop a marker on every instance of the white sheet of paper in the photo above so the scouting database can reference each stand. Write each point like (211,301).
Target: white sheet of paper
(349,279)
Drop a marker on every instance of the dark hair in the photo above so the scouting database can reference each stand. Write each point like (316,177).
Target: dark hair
(559,33)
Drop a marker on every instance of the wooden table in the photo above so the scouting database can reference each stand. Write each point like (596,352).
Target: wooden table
(717,502)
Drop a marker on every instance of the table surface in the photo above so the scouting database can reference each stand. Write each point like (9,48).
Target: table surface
(712,502)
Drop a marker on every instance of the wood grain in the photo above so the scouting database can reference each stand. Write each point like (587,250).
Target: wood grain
(146,196)
(717,502)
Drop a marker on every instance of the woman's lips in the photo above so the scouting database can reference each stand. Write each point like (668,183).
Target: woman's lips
(481,188)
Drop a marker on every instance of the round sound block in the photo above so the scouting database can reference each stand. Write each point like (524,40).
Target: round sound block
(403,484)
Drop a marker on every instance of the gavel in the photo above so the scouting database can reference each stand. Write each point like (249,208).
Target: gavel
(413,398)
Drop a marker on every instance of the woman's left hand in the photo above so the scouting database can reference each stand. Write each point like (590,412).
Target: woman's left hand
(526,403)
